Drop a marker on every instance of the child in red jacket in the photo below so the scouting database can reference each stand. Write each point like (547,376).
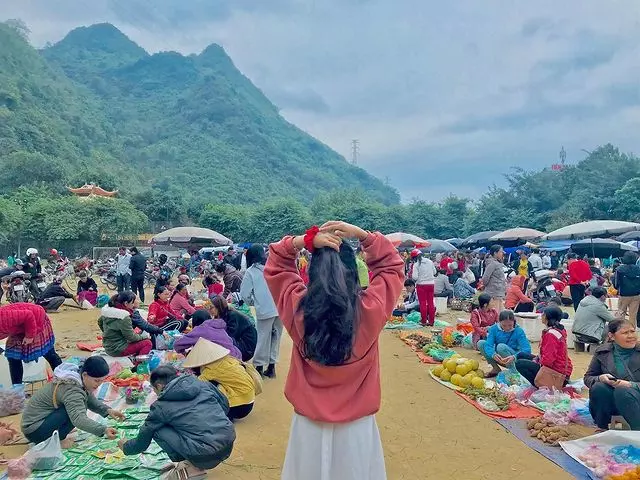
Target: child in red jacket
(553,349)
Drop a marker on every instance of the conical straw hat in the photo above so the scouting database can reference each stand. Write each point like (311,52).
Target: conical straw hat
(204,352)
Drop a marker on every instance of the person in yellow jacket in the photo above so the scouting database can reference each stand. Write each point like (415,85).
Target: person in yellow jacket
(227,373)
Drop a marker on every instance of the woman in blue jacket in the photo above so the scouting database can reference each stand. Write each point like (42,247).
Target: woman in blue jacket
(505,341)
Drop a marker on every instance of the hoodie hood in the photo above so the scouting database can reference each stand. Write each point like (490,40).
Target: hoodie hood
(518,281)
(68,372)
(217,323)
(111,312)
(183,388)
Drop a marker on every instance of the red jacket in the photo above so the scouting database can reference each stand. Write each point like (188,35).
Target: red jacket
(337,394)
(553,351)
(21,318)
(159,313)
(515,295)
(481,320)
(579,272)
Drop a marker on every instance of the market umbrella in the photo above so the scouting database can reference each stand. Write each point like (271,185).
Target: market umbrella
(480,239)
(516,236)
(406,240)
(594,228)
(439,246)
(633,235)
(190,235)
(602,247)
(455,241)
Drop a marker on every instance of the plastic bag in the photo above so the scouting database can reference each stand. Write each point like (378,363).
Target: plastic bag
(556,417)
(487,404)
(467,341)
(414,317)
(46,455)
(441,323)
(547,395)
(579,412)
(11,400)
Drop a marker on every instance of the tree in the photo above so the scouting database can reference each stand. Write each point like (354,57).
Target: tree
(274,220)
(233,221)
(626,201)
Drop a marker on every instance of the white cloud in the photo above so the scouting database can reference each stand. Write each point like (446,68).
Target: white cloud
(453,92)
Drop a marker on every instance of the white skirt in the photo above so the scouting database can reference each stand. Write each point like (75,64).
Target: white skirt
(332,451)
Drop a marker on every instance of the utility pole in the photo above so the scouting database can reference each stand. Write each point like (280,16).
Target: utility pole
(355,151)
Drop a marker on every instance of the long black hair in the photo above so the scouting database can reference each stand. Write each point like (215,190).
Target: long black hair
(553,315)
(255,254)
(177,290)
(126,296)
(330,311)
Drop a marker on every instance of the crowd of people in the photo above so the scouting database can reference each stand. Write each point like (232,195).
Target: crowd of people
(333,301)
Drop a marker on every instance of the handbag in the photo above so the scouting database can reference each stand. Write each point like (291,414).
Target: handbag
(548,377)
(255,376)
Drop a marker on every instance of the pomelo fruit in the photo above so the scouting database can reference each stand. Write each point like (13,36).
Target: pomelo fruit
(466,381)
(462,369)
(474,364)
(456,379)
(451,366)
(438,370)
(479,373)
(445,375)
(477,382)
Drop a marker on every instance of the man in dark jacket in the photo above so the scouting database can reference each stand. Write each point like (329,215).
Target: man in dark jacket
(231,277)
(189,421)
(138,266)
(54,296)
(627,281)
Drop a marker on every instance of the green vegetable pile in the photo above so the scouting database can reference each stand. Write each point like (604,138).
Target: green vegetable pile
(500,399)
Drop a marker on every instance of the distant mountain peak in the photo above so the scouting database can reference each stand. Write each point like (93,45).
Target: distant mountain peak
(103,37)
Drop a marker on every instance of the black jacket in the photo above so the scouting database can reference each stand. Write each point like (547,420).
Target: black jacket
(243,333)
(138,322)
(54,290)
(627,280)
(190,419)
(138,265)
(602,362)
(35,269)
(89,285)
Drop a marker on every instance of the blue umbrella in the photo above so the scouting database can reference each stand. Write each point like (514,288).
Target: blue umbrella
(439,246)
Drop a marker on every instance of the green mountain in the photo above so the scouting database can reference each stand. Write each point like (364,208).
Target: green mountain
(173,133)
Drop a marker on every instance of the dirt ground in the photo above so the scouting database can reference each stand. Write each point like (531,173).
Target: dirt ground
(427,431)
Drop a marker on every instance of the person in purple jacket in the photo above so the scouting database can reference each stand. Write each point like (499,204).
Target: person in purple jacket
(213,330)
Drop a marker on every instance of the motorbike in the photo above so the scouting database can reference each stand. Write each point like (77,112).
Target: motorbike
(109,278)
(38,284)
(17,285)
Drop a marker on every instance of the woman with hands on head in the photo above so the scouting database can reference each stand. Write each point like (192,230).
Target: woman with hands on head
(613,377)
(334,378)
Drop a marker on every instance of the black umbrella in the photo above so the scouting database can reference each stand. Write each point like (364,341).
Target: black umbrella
(455,241)
(601,247)
(480,239)
(626,237)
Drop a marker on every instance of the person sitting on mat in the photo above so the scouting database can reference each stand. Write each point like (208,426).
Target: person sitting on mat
(188,421)
(553,349)
(613,377)
(216,365)
(118,337)
(162,315)
(482,317)
(505,342)
(62,404)
(410,303)
(516,300)
(213,329)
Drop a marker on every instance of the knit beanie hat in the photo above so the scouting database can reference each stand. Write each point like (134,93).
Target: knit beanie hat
(95,367)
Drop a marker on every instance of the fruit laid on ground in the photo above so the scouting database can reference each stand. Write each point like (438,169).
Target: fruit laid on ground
(456,355)
(547,431)
(438,370)
(477,382)
(480,373)
(466,381)
(445,375)
(456,379)
(475,364)
(462,369)
(451,366)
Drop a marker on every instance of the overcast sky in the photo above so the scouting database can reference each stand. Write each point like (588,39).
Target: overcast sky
(443,96)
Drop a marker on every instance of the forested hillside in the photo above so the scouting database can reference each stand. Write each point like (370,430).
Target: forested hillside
(189,139)
(171,132)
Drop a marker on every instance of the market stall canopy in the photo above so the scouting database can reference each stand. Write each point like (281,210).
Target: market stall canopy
(594,228)
(455,241)
(439,246)
(516,236)
(480,239)
(556,245)
(406,240)
(601,247)
(633,235)
(190,235)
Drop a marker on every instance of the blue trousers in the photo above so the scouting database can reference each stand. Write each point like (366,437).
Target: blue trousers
(501,349)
